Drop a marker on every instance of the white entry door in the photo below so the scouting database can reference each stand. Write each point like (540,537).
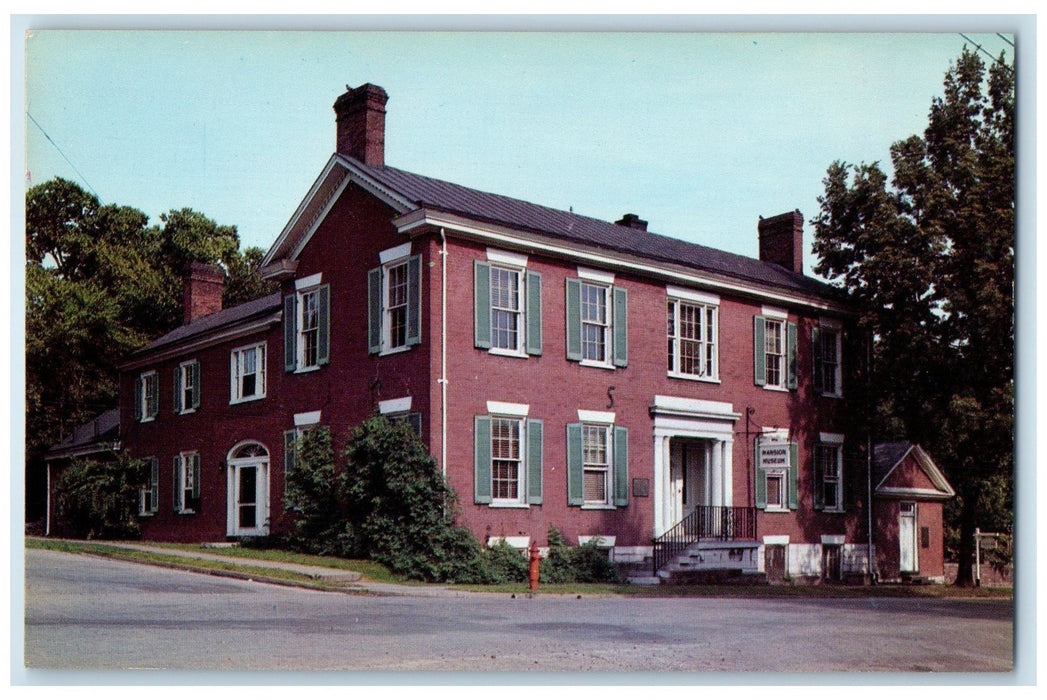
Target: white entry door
(248,489)
(907,537)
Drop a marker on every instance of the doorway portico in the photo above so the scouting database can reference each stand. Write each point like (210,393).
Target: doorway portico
(693,447)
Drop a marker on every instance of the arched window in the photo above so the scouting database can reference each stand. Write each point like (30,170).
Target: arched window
(248,450)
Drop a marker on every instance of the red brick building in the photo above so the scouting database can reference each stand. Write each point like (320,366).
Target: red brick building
(563,371)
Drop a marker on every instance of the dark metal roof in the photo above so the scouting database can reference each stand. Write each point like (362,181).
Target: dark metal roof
(885,456)
(427,192)
(101,432)
(225,317)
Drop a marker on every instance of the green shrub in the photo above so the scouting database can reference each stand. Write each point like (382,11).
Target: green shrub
(587,563)
(505,564)
(99,499)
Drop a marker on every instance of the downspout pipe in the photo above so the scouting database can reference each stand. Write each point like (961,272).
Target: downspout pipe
(443,352)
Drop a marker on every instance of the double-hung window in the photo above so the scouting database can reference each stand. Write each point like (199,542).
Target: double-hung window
(826,343)
(307,325)
(247,373)
(399,411)
(508,457)
(597,320)
(774,350)
(507,305)
(692,329)
(147,396)
(187,387)
(828,473)
(394,301)
(148,496)
(185,483)
(597,462)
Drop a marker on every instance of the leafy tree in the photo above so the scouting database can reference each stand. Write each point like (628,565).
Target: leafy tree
(928,259)
(99,499)
(100,283)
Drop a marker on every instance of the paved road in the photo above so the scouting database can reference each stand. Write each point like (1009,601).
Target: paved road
(89,613)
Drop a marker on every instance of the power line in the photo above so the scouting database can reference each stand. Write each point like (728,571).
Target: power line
(1009,42)
(48,137)
(992,58)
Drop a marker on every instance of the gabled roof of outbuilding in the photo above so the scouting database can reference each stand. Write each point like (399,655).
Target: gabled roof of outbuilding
(887,456)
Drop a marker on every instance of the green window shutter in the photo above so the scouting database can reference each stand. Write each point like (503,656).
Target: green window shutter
(621,466)
(154,397)
(534,461)
(323,339)
(574,464)
(819,479)
(414,300)
(482,459)
(290,332)
(534,313)
(290,453)
(195,369)
(794,478)
(621,327)
(760,350)
(178,388)
(374,310)
(415,421)
(138,398)
(761,481)
(819,383)
(790,355)
(154,484)
(176,483)
(481,304)
(573,306)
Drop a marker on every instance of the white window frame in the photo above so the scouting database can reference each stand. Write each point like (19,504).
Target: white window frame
(836,448)
(146,416)
(519,311)
(301,340)
(588,428)
(710,338)
(185,480)
(779,353)
(387,308)
(606,326)
(235,368)
(782,476)
(520,500)
(825,330)
(186,388)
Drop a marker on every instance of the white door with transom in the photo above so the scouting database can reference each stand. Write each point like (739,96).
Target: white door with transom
(248,490)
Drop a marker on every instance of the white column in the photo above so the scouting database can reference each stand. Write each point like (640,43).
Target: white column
(727,447)
(717,470)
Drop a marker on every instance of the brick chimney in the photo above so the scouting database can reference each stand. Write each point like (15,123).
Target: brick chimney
(202,293)
(360,116)
(781,240)
(632,221)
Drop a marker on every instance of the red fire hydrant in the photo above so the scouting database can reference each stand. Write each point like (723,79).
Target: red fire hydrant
(534,566)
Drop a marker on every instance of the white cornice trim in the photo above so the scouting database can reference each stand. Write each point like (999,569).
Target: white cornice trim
(894,491)
(207,341)
(531,242)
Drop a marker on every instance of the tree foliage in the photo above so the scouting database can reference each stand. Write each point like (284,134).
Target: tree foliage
(928,258)
(99,499)
(100,283)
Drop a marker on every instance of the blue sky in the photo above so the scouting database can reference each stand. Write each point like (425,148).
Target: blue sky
(699,134)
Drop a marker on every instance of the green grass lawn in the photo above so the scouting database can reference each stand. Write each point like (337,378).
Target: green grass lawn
(182,556)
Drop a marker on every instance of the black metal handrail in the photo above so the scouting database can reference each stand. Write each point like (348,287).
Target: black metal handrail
(719,523)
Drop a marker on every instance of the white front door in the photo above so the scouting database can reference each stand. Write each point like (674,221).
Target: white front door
(248,498)
(907,537)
